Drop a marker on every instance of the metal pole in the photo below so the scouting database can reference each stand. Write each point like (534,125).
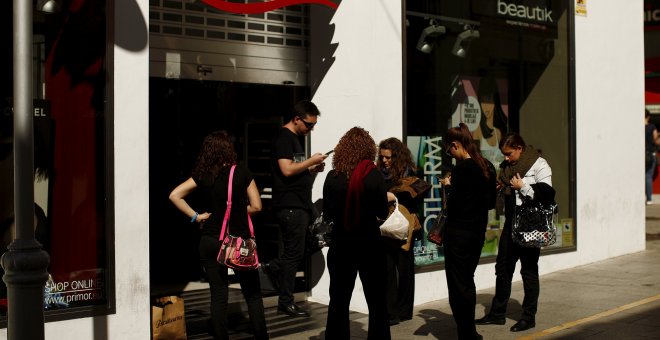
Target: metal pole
(25,262)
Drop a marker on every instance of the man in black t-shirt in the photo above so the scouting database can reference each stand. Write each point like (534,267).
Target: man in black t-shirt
(293,176)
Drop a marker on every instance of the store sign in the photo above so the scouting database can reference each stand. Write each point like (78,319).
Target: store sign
(76,289)
(427,154)
(534,13)
(652,14)
(261,7)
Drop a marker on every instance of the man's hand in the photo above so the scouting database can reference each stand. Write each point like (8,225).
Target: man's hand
(317,168)
(317,163)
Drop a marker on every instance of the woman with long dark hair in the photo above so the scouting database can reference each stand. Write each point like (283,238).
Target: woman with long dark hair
(355,198)
(211,175)
(522,171)
(493,120)
(471,194)
(395,162)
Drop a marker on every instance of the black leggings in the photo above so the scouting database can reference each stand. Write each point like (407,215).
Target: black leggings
(219,282)
(462,253)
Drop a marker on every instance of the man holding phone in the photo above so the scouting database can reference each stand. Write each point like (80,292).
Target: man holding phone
(293,176)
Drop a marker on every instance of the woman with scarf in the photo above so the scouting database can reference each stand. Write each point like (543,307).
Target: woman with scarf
(471,195)
(521,172)
(355,198)
(395,162)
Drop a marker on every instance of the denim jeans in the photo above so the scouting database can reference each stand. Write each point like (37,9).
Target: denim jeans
(649,181)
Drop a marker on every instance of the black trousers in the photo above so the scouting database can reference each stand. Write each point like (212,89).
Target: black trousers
(219,285)
(293,226)
(508,254)
(462,253)
(400,282)
(345,262)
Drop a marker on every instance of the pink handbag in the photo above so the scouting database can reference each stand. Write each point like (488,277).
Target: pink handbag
(236,252)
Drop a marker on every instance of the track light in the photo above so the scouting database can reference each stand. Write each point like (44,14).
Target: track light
(462,43)
(49,6)
(428,37)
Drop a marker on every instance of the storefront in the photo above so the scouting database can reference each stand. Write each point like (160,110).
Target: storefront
(652,66)
(126,104)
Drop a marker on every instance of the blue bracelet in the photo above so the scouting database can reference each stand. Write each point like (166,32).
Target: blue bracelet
(194,218)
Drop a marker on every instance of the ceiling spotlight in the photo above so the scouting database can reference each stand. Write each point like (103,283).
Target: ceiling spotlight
(429,35)
(462,43)
(49,6)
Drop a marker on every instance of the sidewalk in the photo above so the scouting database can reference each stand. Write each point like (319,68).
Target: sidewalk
(617,298)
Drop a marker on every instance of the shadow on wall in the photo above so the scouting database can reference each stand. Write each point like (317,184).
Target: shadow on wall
(321,34)
(131,34)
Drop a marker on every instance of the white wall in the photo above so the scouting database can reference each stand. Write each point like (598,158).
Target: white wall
(363,88)
(131,112)
(610,139)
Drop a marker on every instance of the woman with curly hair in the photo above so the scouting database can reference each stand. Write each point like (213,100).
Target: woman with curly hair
(211,175)
(356,200)
(395,162)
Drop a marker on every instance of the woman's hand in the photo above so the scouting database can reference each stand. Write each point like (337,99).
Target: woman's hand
(201,218)
(446,180)
(517,182)
(390,197)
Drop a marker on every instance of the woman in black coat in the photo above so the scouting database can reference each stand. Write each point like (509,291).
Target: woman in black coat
(471,194)
(355,198)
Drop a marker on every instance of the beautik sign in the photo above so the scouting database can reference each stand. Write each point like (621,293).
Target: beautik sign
(536,13)
(261,7)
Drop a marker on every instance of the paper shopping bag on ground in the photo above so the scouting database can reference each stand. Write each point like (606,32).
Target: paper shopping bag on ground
(167,319)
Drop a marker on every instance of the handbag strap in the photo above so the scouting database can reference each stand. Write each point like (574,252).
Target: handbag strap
(444,198)
(228,211)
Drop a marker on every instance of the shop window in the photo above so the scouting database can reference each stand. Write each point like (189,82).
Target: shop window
(73,190)
(480,63)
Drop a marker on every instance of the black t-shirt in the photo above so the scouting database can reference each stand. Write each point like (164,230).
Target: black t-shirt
(470,197)
(215,190)
(293,191)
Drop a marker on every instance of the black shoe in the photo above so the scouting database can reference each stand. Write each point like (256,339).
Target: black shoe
(523,325)
(490,320)
(293,310)
(394,321)
(268,270)
(479,337)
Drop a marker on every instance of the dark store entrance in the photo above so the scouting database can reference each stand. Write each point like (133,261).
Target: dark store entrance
(182,113)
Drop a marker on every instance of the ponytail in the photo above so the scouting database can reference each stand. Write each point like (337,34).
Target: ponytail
(463,135)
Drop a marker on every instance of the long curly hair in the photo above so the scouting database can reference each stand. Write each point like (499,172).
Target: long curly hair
(401,157)
(217,152)
(356,145)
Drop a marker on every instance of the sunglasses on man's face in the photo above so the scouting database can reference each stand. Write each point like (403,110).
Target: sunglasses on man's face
(308,125)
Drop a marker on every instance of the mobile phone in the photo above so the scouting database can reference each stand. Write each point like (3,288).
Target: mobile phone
(329,152)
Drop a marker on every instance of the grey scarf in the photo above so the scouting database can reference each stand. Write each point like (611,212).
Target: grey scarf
(527,158)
